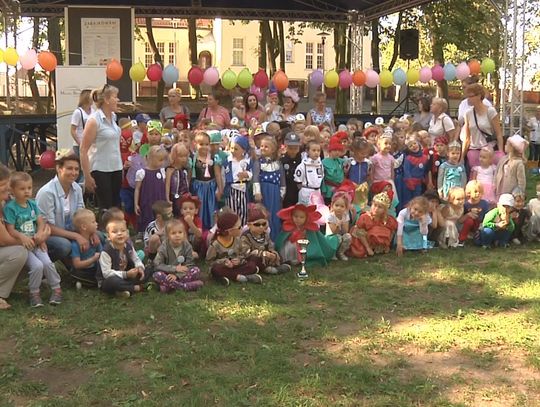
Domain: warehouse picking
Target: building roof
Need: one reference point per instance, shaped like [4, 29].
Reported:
[291, 10]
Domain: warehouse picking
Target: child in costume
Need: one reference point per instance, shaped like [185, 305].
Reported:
[511, 169]
[438, 155]
[237, 169]
[498, 225]
[452, 172]
[338, 223]
[415, 167]
[174, 268]
[452, 212]
[154, 233]
[485, 174]
[386, 186]
[269, 182]
[309, 174]
[256, 243]
[521, 217]
[383, 161]
[189, 214]
[178, 175]
[333, 166]
[360, 171]
[398, 148]
[290, 161]
[374, 231]
[228, 262]
[534, 208]
[413, 226]
[300, 222]
[475, 209]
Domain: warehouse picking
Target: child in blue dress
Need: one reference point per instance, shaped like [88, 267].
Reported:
[452, 172]
[413, 226]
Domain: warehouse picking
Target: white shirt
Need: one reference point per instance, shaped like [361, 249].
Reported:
[79, 119]
[534, 125]
[464, 106]
[440, 126]
[309, 173]
[478, 140]
[106, 156]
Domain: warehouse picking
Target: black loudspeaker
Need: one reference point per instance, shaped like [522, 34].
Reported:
[408, 44]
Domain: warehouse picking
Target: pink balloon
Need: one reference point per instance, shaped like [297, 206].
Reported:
[437, 73]
[154, 72]
[345, 79]
[462, 71]
[211, 76]
[372, 78]
[425, 74]
[261, 79]
[29, 59]
[316, 78]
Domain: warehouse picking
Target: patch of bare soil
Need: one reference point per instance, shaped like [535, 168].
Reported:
[133, 367]
[59, 382]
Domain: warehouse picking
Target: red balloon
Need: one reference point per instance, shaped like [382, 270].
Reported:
[474, 67]
[47, 61]
[47, 160]
[114, 70]
[195, 76]
[261, 79]
[359, 78]
[154, 72]
[281, 81]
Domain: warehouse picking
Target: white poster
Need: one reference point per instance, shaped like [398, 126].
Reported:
[100, 40]
[70, 81]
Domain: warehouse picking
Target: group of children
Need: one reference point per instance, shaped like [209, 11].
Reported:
[243, 197]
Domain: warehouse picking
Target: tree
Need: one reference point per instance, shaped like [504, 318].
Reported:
[32, 76]
[158, 59]
[54, 37]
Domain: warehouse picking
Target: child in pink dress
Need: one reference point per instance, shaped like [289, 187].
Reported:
[383, 161]
[485, 175]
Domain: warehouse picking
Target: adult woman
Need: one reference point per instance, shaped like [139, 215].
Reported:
[12, 254]
[321, 114]
[58, 200]
[482, 127]
[103, 171]
[175, 107]
[253, 110]
[441, 124]
[213, 111]
[290, 103]
[80, 117]
[423, 117]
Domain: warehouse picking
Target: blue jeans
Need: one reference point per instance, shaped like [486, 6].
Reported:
[489, 236]
[59, 247]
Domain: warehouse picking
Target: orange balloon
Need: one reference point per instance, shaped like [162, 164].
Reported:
[47, 61]
[359, 78]
[280, 80]
[474, 67]
[114, 70]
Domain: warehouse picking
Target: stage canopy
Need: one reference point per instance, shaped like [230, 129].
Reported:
[290, 10]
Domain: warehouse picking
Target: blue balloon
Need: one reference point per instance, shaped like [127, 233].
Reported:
[316, 78]
[400, 77]
[449, 72]
[170, 74]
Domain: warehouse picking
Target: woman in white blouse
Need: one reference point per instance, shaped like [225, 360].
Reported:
[441, 124]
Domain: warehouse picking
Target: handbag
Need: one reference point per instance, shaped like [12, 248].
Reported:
[489, 137]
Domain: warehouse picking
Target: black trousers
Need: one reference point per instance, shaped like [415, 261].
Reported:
[107, 188]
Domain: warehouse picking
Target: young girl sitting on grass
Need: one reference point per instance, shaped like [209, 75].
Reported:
[413, 226]
[452, 212]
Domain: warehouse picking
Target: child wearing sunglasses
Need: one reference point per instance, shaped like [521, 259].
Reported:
[258, 246]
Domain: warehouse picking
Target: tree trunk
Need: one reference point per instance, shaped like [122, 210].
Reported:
[375, 41]
[55, 46]
[281, 45]
[340, 48]
[262, 47]
[193, 51]
[31, 72]
[438, 57]
[158, 59]
[270, 46]
[397, 37]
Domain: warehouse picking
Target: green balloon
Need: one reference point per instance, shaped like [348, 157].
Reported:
[488, 66]
[228, 80]
[245, 79]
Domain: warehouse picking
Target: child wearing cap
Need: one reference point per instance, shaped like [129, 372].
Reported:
[498, 225]
[140, 135]
[511, 169]
[290, 161]
[334, 172]
[238, 173]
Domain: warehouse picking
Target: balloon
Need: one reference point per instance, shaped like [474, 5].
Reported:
[316, 78]
[413, 76]
[425, 74]
[29, 59]
[331, 79]
[400, 77]
[154, 72]
[47, 60]
[195, 76]
[1, 55]
[114, 70]
[211, 76]
[386, 78]
[245, 79]
[488, 66]
[474, 66]
[137, 72]
[228, 80]
[449, 72]
[372, 78]
[437, 72]
[462, 71]
[11, 57]
[47, 160]
[359, 78]
[345, 79]
[170, 74]
[280, 80]
[261, 79]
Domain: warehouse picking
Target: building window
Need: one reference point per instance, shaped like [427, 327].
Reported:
[320, 56]
[161, 48]
[289, 52]
[309, 55]
[148, 55]
[238, 51]
[172, 52]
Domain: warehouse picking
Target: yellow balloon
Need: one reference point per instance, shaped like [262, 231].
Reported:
[137, 72]
[1, 55]
[11, 57]
[386, 78]
[413, 76]
[331, 79]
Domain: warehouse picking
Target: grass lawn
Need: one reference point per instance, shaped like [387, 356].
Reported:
[449, 328]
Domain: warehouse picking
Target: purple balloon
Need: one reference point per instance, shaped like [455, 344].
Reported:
[316, 78]
[437, 72]
[345, 79]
